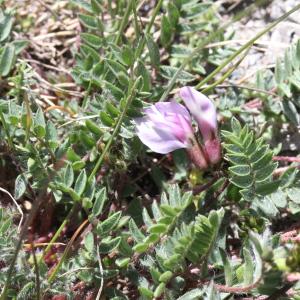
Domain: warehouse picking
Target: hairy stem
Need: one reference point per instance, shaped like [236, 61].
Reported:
[128, 101]
[23, 233]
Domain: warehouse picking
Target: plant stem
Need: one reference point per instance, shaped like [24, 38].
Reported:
[58, 232]
[136, 23]
[246, 46]
[23, 233]
[124, 22]
[37, 273]
[205, 41]
[128, 100]
[148, 29]
[225, 76]
[68, 247]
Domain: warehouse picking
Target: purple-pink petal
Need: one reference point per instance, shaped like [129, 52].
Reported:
[165, 127]
[203, 110]
[160, 140]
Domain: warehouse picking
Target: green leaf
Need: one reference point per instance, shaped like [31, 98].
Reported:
[153, 51]
[240, 170]
[39, 123]
[5, 27]
[80, 183]
[166, 276]
[127, 55]
[173, 14]
[135, 232]
[101, 198]
[145, 292]
[294, 194]
[109, 224]
[20, 186]
[165, 31]
[92, 40]
[106, 119]
[112, 110]
[236, 126]
[51, 135]
[93, 128]
[242, 181]
[140, 248]
[89, 242]
[168, 72]
[264, 173]
[108, 245]
[227, 268]
[142, 71]
[122, 262]
[68, 176]
[7, 59]
[158, 228]
[248, 267]
[88, 21]
[194, 294]
[291, 112]
[87, 50]
[87, 140]
[96, 7]
[159, 290]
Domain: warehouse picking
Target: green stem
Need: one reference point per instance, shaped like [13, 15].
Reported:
[148, 29]
[128, 100]
[124, 22]
[205, 41]
[58, 232]
[246, 46]
[226, 75]
[136, 23]
[66, 252]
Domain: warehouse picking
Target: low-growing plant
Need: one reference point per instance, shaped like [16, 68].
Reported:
[132, 196]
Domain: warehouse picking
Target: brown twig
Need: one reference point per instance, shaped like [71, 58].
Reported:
[200, 188]
[237, 290]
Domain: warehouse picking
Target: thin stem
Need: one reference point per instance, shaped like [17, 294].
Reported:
[53, 274]
[23, 233]
[232, 85]
[206, 41]
[37, 273]
[246, 46]
[136, 23]
[16, 204]
[237, 290]
[128, 100]
[101, 273]
[58, 232]
[148, 29]
[124, 22]
[226, 75]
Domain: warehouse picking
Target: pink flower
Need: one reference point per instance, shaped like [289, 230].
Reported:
[204, 111]
[165, 127]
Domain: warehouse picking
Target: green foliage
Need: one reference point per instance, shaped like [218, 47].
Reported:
[8, 50]
[127, 221]
[250, 160]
